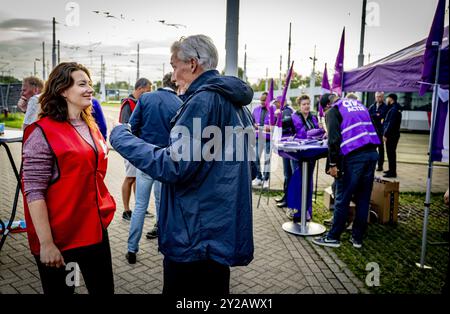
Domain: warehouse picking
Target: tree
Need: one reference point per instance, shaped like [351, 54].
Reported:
[9, 79]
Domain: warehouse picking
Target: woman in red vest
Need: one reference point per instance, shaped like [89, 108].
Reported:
[67, 205]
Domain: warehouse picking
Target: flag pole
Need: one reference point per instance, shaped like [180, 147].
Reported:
[430, 165]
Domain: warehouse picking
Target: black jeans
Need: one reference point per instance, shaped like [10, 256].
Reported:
[95, 264]
[380, 154]
[199, 278]
[391, 151]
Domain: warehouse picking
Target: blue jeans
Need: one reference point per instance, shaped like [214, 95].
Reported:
[144, 185]
[357, 181]
[260, 146]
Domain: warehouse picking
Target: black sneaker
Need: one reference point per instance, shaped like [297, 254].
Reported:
[127, 215]
[149, 215]
[325, 241]
[152, 234]
[280, 199]
[390, 175]
[131, 257]
[379, 169]
[355, 243]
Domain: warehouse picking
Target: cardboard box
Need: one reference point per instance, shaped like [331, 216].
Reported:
[384, 200]
[328, 198]
[328, 201]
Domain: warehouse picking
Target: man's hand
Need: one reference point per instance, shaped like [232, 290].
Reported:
[333, 171]
[384, 139]
[22, 104]
[446, 197]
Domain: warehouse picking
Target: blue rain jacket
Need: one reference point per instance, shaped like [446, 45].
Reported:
[206, 205]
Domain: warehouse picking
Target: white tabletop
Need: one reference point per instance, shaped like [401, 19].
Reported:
[11, 136]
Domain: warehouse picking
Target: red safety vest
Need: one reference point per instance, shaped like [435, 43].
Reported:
[124, 102]
[78, 203]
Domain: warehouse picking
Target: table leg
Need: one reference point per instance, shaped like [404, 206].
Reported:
[304, 228]
[16, 198]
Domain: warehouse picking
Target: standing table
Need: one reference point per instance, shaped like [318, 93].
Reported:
[10, 137]
[304, 154]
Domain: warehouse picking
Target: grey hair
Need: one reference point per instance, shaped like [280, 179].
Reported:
[199, 47]
[167, 81]
[142, 82]
[379, 94]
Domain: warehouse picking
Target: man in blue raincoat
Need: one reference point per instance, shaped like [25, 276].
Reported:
[205, 223]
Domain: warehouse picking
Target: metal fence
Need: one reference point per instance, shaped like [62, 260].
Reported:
[9, 96]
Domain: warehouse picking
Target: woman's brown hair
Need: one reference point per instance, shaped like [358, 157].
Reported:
[53, 104]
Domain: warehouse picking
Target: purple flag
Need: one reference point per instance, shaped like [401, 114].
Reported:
[283, 98]
[321, 114]
[339, 67]
[325, 83]
[433, 45]
[439, 149]
[268, 101]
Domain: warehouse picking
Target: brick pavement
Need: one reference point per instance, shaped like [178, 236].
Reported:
[283, 263]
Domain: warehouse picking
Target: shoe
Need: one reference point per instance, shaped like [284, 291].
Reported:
[131, 257]
[257, 182]
[281, 204]
[280, 199]
[149, 215]
[390, 175]
[355, 243]
[325, 241]
[290, 212]
[379, 169]
[387, 171]
[152, 234]
[328, 222]
[127, 215]
[266, 185]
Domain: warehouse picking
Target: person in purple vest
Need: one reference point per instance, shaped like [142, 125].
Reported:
[297, 125]
[264, 120]
[287, 131]
[352, 144]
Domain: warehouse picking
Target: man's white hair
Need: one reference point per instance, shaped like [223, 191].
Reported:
[379, 94]
[199, 47]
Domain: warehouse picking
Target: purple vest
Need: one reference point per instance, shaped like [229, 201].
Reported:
[300, 128]
[267, 120]
[357, 129]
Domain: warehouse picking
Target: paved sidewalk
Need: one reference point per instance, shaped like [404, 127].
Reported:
[283, 263]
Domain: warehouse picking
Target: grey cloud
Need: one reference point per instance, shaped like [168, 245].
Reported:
[25, 25]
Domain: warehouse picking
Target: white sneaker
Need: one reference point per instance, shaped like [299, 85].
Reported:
[257, 182]
[266, 185]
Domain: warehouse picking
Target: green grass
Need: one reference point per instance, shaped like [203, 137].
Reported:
[111, 103]
[396, 248]
[14, 120]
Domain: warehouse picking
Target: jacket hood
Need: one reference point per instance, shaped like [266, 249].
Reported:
[232, 88]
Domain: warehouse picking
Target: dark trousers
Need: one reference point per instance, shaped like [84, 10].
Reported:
[95, 264]
[380, 154]
[287, 171]
[391, 151]
[356, 181]
[196, 278]
[263, 146]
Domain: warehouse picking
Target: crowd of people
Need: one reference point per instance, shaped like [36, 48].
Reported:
[203, 206]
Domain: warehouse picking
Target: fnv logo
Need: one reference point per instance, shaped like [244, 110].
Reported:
[352, 105]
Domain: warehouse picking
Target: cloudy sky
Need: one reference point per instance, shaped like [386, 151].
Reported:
[119, 26]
